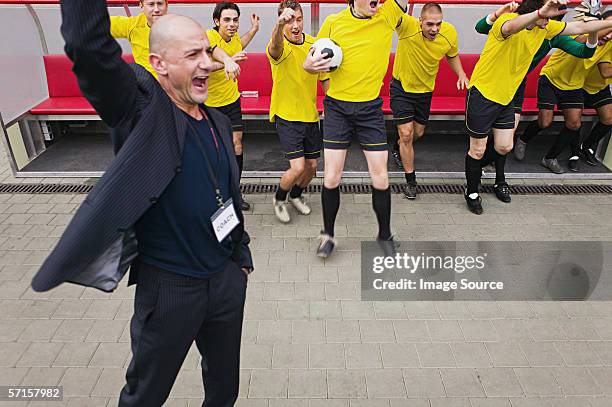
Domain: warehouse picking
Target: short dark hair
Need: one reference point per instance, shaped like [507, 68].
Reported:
[431, 6]
[606, 14]
[528, 6]
[224, 5]
[292, 4]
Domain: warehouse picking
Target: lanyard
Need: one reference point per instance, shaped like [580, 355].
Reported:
[213, 176]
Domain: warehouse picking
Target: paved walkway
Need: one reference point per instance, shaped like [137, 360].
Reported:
[308, 339]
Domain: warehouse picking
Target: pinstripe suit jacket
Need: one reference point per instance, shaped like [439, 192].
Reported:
[148, 133]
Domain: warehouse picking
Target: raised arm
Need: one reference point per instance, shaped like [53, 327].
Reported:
[549, 10]
[483, 26]
[581, 47]
[245, 40]
[586, 27]
[275, 48]
[104, 78]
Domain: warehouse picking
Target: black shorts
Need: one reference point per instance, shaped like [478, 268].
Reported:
[549, 96]
[519, 97]
[343, 120]
[299, 139]
[234, 112]
[482, 114]
[599, 99]
[407, 106]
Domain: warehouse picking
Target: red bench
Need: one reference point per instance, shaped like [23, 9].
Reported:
[65, 98]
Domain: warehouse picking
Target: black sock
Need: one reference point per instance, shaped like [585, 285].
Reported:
[281, 194]
[563, 139]
[381, 202]
[330, 200]
[597, 134]
[500, 168]
[410, 177]
[489, 156]
[296, 191]
[473, 172]
[240, 161]
[575, 146]
[531, 131]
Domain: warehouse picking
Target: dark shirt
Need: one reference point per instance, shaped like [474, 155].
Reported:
[176, 233]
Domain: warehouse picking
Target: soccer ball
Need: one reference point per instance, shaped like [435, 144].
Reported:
[327, 47]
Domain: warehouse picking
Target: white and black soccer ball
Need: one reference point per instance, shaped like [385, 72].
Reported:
[328, 47]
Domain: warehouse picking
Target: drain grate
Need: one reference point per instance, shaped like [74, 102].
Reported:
[344, 188]
[449, 189]
[45, 188]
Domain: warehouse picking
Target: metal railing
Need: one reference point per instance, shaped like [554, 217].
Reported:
[135, 2]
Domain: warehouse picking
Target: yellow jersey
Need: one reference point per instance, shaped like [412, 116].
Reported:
[136, 30]
[417, 58]
[366, 47]
[294, 91]
[594, 82]
[504, 61]
[565, 71]
[222, 91]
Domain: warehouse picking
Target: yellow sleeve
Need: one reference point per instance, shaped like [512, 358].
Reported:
[408, 25]
[605, 56]
[602, 54]
[606, 59]
[454, 42]
[283, 56]
[392, 12]
[239, 42]
[554, 28]
[496, 30]
[325, 30]
[213, 38]
[120, 26]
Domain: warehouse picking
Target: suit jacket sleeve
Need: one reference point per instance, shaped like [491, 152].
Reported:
[245, 258]
[104, 78]
[245, 252]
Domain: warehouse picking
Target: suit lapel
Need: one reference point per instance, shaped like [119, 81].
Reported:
[181, 128]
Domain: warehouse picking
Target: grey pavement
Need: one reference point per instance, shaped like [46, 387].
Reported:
[308, 339]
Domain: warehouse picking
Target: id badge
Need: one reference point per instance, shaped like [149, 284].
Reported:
[224, 220]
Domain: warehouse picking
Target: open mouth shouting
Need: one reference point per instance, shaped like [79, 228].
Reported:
[373, 6]
[296, 34]
[200, 83]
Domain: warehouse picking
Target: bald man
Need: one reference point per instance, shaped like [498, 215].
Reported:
[166, 206]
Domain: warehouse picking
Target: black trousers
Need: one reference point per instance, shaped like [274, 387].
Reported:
[170, 312]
